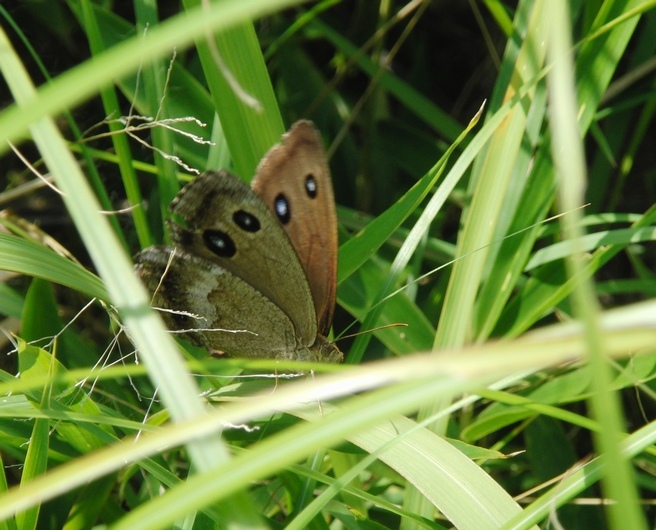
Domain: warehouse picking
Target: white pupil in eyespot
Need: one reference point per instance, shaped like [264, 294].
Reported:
[311, 186]
[282, 209]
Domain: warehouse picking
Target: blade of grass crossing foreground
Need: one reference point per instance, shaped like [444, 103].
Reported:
[352, 421]
[148, 333]
[422, 379]
[619, 484]
[473, 500]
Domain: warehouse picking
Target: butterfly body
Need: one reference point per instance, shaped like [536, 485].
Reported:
[246, 275]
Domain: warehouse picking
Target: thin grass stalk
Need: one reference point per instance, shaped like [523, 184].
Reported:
[569, 161]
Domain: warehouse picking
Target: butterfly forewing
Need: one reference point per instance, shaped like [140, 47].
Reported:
[294, 181]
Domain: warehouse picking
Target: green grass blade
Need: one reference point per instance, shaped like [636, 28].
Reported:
[569, 160]
[148, 333]
[26, 257]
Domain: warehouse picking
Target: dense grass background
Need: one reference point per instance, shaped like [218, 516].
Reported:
[521, 392]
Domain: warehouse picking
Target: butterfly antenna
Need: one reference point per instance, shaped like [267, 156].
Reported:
[386, 326]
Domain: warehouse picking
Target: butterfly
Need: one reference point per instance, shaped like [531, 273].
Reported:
[252, 271]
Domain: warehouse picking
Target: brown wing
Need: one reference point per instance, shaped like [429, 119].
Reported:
[294, 181]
